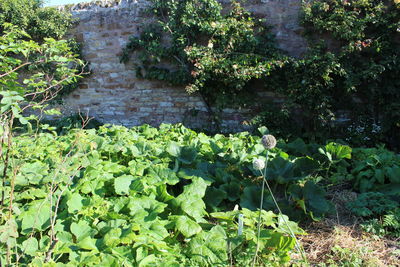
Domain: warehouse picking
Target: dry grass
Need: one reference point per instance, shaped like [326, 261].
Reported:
[338, 238]
[323, 237]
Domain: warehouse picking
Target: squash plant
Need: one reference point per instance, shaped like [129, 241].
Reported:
[130, 197]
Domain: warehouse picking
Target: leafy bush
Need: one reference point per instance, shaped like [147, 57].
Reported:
[357, 62]
[387, 225]
[375, 168]
[21, 91]
[215, 53]
[38, 22]
[348, 75]
[380, 210]
[372, 204]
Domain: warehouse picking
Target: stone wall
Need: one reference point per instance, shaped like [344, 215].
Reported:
[112, 93]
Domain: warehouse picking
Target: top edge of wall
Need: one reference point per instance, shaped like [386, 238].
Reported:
[100, 4]
[96, 4]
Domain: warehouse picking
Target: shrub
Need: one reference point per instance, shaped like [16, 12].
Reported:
[38, 22]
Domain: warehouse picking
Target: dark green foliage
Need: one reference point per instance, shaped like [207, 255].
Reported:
[381, 211]
[387, 225]
[354, 67]
[372, 204]
[279, 118]
[63, 125]
[375, 168]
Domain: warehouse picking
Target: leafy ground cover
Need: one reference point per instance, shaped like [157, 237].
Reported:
[135, 197]
[167, 196]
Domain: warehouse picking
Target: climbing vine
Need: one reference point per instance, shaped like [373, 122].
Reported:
[354, 67]
[349, 73]
[210, 51]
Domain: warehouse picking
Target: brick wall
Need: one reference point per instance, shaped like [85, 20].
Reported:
[112, 93]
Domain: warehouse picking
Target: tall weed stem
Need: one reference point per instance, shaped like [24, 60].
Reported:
[265, 182]
[259, 212]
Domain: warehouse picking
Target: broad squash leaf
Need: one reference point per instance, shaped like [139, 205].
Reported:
[122, 184]
[185, 225]
[208, 248]
[75, 203]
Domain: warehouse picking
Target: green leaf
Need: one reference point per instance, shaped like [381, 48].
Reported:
[174, 149]
[136, 168]
[191, 201]
[75, 203]
[187, 155]
[280, 242]
[208, 248]
[88, 243]
[30, 246]
[23, 120]
[281, 170]
[263, 130]
[394, 174]
[9, 232]
[156, 229]
[150, 260]
[232, 190]
[81, 230]
[251, 198]
[112, 238]
[145, 209]
[36, 217]
[122, 184]
[184, 154]
[214, 197]
[286, 226]
[113, 167]
[185, 225]
[161, 175]
[314, 197]
[337, 151]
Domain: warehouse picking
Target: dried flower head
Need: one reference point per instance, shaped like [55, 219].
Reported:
[258, 164]
[268, 141]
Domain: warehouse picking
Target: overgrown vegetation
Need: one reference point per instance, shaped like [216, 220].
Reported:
[170, 196]
[40, 23]
[116, 195]
[31, 75]
[353, 69]
[208, 51]
[138, 196]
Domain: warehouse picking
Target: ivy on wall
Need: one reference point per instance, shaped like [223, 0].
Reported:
[354, 67]
[198, 44]
[352, 63]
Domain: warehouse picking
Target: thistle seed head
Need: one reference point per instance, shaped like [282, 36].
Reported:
[258, 164]
[268, 141]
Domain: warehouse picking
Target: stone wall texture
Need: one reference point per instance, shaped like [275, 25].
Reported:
[112, 93]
